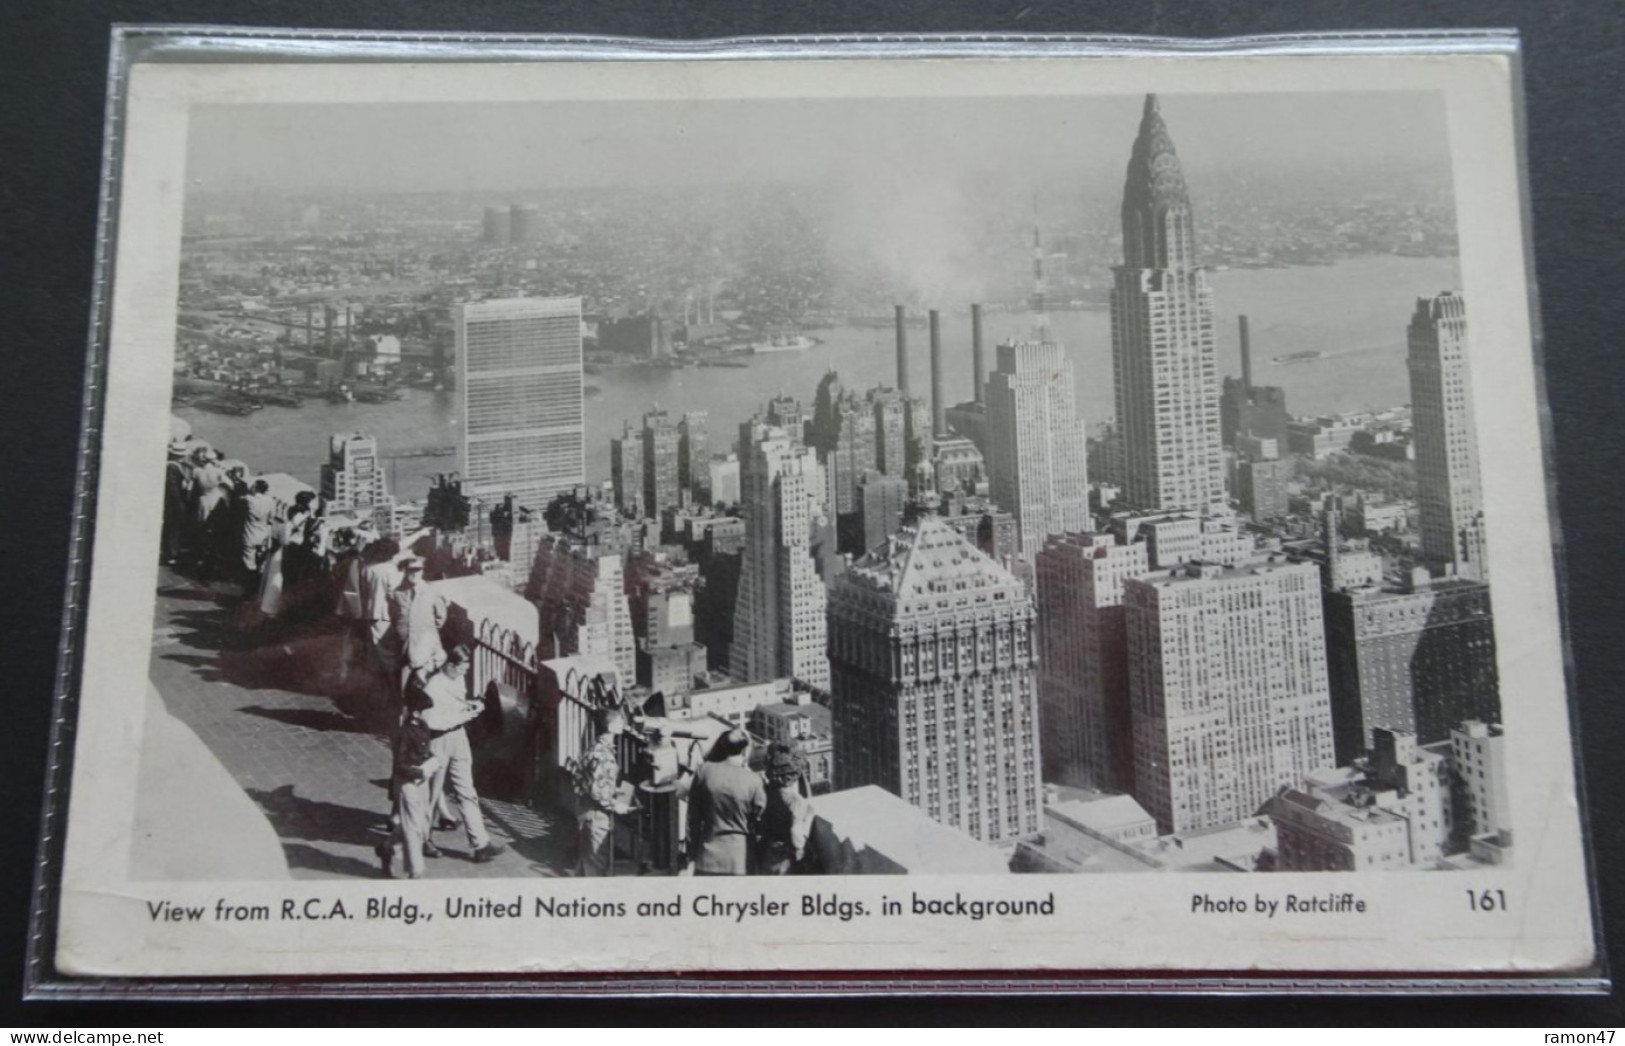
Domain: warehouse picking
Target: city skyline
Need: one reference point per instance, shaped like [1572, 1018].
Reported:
[1004, 606]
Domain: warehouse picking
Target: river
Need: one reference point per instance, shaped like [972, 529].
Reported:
[1354, 312]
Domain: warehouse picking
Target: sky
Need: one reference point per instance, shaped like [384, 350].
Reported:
[902, 145]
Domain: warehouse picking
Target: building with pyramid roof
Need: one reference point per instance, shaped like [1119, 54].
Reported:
[932, 672]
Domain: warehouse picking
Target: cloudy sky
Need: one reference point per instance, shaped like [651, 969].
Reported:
[536, 146]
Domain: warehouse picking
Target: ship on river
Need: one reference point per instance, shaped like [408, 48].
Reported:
[278, 399]
[784, 343]
[232, 405]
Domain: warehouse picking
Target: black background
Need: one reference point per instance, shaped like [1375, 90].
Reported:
[53, 60]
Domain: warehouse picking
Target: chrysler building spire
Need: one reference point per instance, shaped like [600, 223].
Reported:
[1157, 231]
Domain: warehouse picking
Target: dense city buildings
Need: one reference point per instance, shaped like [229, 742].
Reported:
[1173, 540]
[519, 375]
[842, 431]
[1415, 655]
[577, 582]
[1227, 683]
[1392, 810]
[933, 682]
[1451, 505]
[660, 585]
[878, 432]
[779, 626]
[1163, 354]
[1083, 681]
[1037, 463]
[1069, 649]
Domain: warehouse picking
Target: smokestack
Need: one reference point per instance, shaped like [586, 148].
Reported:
[939, 406]
[1246, 357]
[1040, 287]
[1332, 509]
[902, 352]
[978, 375]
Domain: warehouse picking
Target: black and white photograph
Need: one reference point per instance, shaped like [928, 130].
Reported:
[570, 495]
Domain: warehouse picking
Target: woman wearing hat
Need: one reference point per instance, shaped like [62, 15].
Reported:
[788, 819]
[726, 801]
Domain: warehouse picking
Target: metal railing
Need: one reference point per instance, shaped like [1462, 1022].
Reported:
[541, 730]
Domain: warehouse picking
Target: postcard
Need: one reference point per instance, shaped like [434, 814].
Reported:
[635, 517]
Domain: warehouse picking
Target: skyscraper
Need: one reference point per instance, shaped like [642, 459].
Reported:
[524, 223]
[626, 470]
[891, 431]
[353, 481]
[1451, 506]
[660, 590]
[1163, 353]
[694, 455]
[1083, 674]
[931, 667]
[1414, 657]
[577, 581]
[1037, 468]
[842, 430]
[519, 375]
[1227, 684]
[779, 627]
[494, 228]
[662, 464]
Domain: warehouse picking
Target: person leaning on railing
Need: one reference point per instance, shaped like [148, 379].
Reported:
[599, 796]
